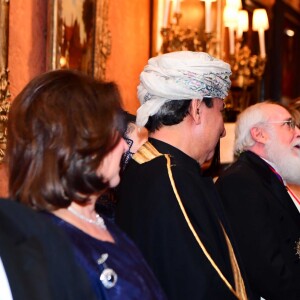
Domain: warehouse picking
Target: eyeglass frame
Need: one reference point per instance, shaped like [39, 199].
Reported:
[291, 123]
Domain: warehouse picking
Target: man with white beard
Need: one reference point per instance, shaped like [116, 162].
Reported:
[262, 213]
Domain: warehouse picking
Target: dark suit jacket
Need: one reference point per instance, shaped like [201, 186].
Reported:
[266, 225]
[148, 211]
[37, 258]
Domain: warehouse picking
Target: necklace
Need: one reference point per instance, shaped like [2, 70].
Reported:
[98, 222]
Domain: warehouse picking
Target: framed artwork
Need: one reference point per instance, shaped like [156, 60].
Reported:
[78, 36]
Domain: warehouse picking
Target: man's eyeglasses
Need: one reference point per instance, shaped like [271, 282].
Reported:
[290, 123]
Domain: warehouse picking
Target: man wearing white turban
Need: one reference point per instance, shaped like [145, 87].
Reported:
[165, 205]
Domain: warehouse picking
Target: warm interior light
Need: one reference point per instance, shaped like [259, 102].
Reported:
[260, 19]
[234, 3]
[62, 62]
[242, 23]
[289, 32]
[243, 20]
[230, 16]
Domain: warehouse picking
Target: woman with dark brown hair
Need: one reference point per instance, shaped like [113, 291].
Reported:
[64, 150]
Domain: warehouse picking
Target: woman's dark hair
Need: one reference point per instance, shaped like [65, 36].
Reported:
[172, 113]
[128, 119]
[59, 129]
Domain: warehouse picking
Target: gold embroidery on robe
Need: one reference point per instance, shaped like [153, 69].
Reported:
[146, 153]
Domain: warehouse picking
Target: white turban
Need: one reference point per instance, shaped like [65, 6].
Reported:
[181, 75]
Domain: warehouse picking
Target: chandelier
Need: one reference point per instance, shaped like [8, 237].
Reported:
[222, 36]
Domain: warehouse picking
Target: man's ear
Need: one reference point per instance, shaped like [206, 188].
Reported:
[259, 135]
[195, 110]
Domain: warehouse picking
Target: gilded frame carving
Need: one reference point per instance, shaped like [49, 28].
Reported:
[100, 43]
[4, 83]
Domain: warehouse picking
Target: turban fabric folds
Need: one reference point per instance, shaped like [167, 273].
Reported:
[181, 75]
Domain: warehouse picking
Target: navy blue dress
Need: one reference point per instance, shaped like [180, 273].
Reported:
[121, 261]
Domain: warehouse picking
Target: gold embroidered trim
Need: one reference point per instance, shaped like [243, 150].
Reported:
[239, 283]
[238, 279]
[146, 153]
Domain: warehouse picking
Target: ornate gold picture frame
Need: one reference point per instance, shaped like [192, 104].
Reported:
[4, 83]
[78, 36]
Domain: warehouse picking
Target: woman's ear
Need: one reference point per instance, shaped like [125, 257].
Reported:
[259, 135]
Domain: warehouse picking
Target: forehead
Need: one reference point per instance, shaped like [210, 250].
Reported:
[277, 112]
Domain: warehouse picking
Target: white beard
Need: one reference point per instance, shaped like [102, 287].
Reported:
[285, 159]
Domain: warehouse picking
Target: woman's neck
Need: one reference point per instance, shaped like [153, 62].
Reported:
[85, 218]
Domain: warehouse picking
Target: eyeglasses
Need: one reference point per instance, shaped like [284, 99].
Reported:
[290, 123]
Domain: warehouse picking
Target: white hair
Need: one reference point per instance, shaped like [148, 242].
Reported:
[250, 117]
[287, 164]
